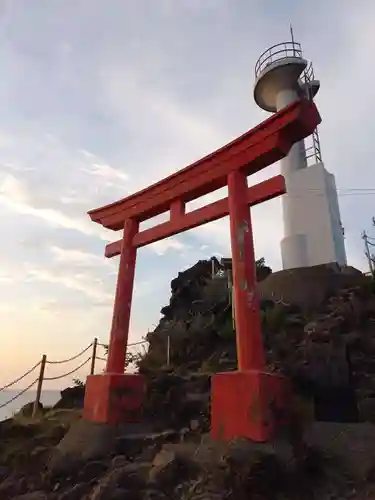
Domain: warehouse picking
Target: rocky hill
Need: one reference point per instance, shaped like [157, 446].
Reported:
[319, 329]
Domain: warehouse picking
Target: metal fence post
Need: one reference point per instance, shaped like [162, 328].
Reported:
[40, 384]
[168, 349]
[93, 357]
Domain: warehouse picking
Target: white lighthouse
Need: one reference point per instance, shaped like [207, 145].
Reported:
[313, 233]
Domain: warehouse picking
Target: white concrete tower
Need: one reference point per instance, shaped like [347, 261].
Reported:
[313, 233]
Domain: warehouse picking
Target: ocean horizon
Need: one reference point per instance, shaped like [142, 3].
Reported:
[48, 398]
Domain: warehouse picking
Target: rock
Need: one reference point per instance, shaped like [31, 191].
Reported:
[28, 408]
[352, 444]
[202, 453]
[310, 327]
[367, 410]
[124, 494]
[194, 425]
[92, 470]
[154, 494]
[40, 452]
[4, 472]
[71, 397]
[184, 433]
[119, 461]
[77, 492]
[85, 441]
[120, 478]
[175, 460]
[13, 486]
[324, 281]
[107, 486]
[56, 433]
[137, 473]
[202, 488]
[36, 495]
[164, 466]
[133, 444]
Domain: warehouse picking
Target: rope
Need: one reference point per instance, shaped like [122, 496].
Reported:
[19, 394]
[70, 359]
[19, 378]
[100, 359]
[10, 384]
[69, 373]
[129, 345]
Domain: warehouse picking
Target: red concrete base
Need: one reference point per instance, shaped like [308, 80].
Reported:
[114, 398]
[249, 404]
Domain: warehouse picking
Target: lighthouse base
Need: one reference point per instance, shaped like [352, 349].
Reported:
[313, 230]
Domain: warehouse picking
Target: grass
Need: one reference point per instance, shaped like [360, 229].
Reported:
[49, 417]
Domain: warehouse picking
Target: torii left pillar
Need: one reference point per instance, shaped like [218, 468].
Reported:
[115, 397]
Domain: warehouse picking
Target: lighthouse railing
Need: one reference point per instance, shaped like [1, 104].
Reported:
[277, 52]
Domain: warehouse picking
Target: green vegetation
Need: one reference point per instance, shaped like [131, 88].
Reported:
[273, 318]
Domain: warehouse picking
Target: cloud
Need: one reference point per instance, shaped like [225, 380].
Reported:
[110, 176]
[79, 282]
[15, 196]
[163, 246]
[13, 189]
[79, 257]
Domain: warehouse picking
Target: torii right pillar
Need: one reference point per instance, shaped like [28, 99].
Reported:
[248, 402]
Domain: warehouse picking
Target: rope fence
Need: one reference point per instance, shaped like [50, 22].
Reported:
[19, 394]
[43, 364]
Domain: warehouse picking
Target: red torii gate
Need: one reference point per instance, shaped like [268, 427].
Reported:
[248, 402]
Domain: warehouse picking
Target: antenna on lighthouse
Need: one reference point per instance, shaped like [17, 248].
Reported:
[292, 38]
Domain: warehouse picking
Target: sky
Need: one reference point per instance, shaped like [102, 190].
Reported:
[99, 98]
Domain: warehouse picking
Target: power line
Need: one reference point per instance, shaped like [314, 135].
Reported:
[343, 189]
[340, 192]
[300, 192]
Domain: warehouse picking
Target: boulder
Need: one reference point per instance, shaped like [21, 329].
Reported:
[352, 445]
[71, 398]
[28, 409]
